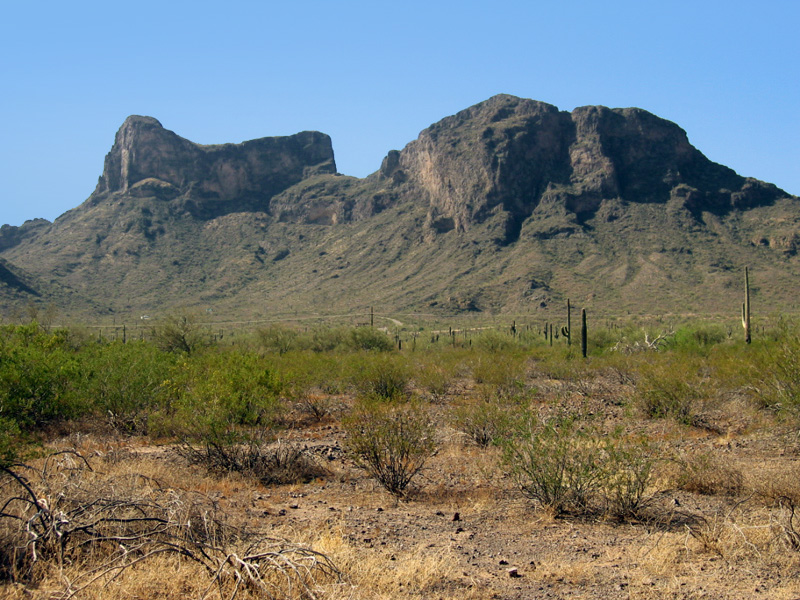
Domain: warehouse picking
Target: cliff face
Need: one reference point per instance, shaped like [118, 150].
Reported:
[150, 161]
[510, 158]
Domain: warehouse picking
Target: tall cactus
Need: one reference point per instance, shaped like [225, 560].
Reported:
[584, 335]
[567, 331]
[746, 307]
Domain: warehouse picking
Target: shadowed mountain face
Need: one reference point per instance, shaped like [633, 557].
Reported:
[513, 158]
[508, 205]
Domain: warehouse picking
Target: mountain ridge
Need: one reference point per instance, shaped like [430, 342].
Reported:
[508, 205]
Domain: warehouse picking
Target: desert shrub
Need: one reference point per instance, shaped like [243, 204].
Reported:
[674, 386]
[180, 332]
[556, 464]
[215, 393]
[436, 373]
[578, 471]
[256, 457]
[384, 376]
[707, 474]
[600, 339]
[483, 422]
[699, 337]
[369, 338]
[323, 339]
[329, 339]
[10, 442]
[123, 382]
[628, 470]
[327, 372]
[493, 341]
[37, 375]
[391, 442]
[309, 380]
[501, 376]
[277, 338]
[775, 374]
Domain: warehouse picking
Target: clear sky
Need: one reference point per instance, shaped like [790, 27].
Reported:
[373, 74]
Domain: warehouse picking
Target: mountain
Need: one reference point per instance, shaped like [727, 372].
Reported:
[508, 206]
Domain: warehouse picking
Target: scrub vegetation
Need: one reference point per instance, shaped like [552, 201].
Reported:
[347, 462]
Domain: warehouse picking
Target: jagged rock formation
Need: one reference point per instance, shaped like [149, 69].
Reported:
[509, 159]
[150, 161]
[508, 205]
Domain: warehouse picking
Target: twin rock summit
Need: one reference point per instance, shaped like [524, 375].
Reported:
[508, 206]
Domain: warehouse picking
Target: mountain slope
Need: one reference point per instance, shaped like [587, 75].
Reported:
[510, 205]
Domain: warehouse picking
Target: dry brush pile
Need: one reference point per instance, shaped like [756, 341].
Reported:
[63, 520]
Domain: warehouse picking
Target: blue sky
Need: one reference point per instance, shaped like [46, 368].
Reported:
[372, 75]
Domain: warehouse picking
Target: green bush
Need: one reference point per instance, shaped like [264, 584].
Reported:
[698, 338]
[579, 471]
[215, 394]
[485, 422]
[673, 387]
[391, 442]
[181, 332]
[368, 338]
[435, 379]
[384, 376]
[123, 382]
[501, 376]
[628, 469]
[37, 375]
[278, 338]
[10, 442]
[309, 381]
[555, 464]
[495, 341]
[774, 373]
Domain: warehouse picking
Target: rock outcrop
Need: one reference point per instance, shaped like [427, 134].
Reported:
[150, 161]
[508, 158]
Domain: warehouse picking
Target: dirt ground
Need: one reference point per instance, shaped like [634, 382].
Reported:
[467, 532]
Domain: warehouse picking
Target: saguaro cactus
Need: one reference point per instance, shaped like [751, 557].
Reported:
[567, 331]
[584, 336]
[746, 307]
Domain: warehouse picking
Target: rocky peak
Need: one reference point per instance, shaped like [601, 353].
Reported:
[507, 159]
[143, 149]
[148, 160]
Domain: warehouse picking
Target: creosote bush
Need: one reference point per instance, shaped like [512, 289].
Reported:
[708, 474]
[391, 441]
[125, 382]
[217, 392]
[256, 456]
[180, 332]
[37, 374]
[673, 387]
[382, 376]
[573, 470]
[501, 376]
[776, 374]
[485, 422]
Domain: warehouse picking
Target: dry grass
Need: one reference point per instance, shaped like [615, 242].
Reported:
[69, 527]
[723, 522]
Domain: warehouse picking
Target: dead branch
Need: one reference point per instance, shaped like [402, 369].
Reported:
[66, 513]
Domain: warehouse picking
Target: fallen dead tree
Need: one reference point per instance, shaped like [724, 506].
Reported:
[63, 515]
